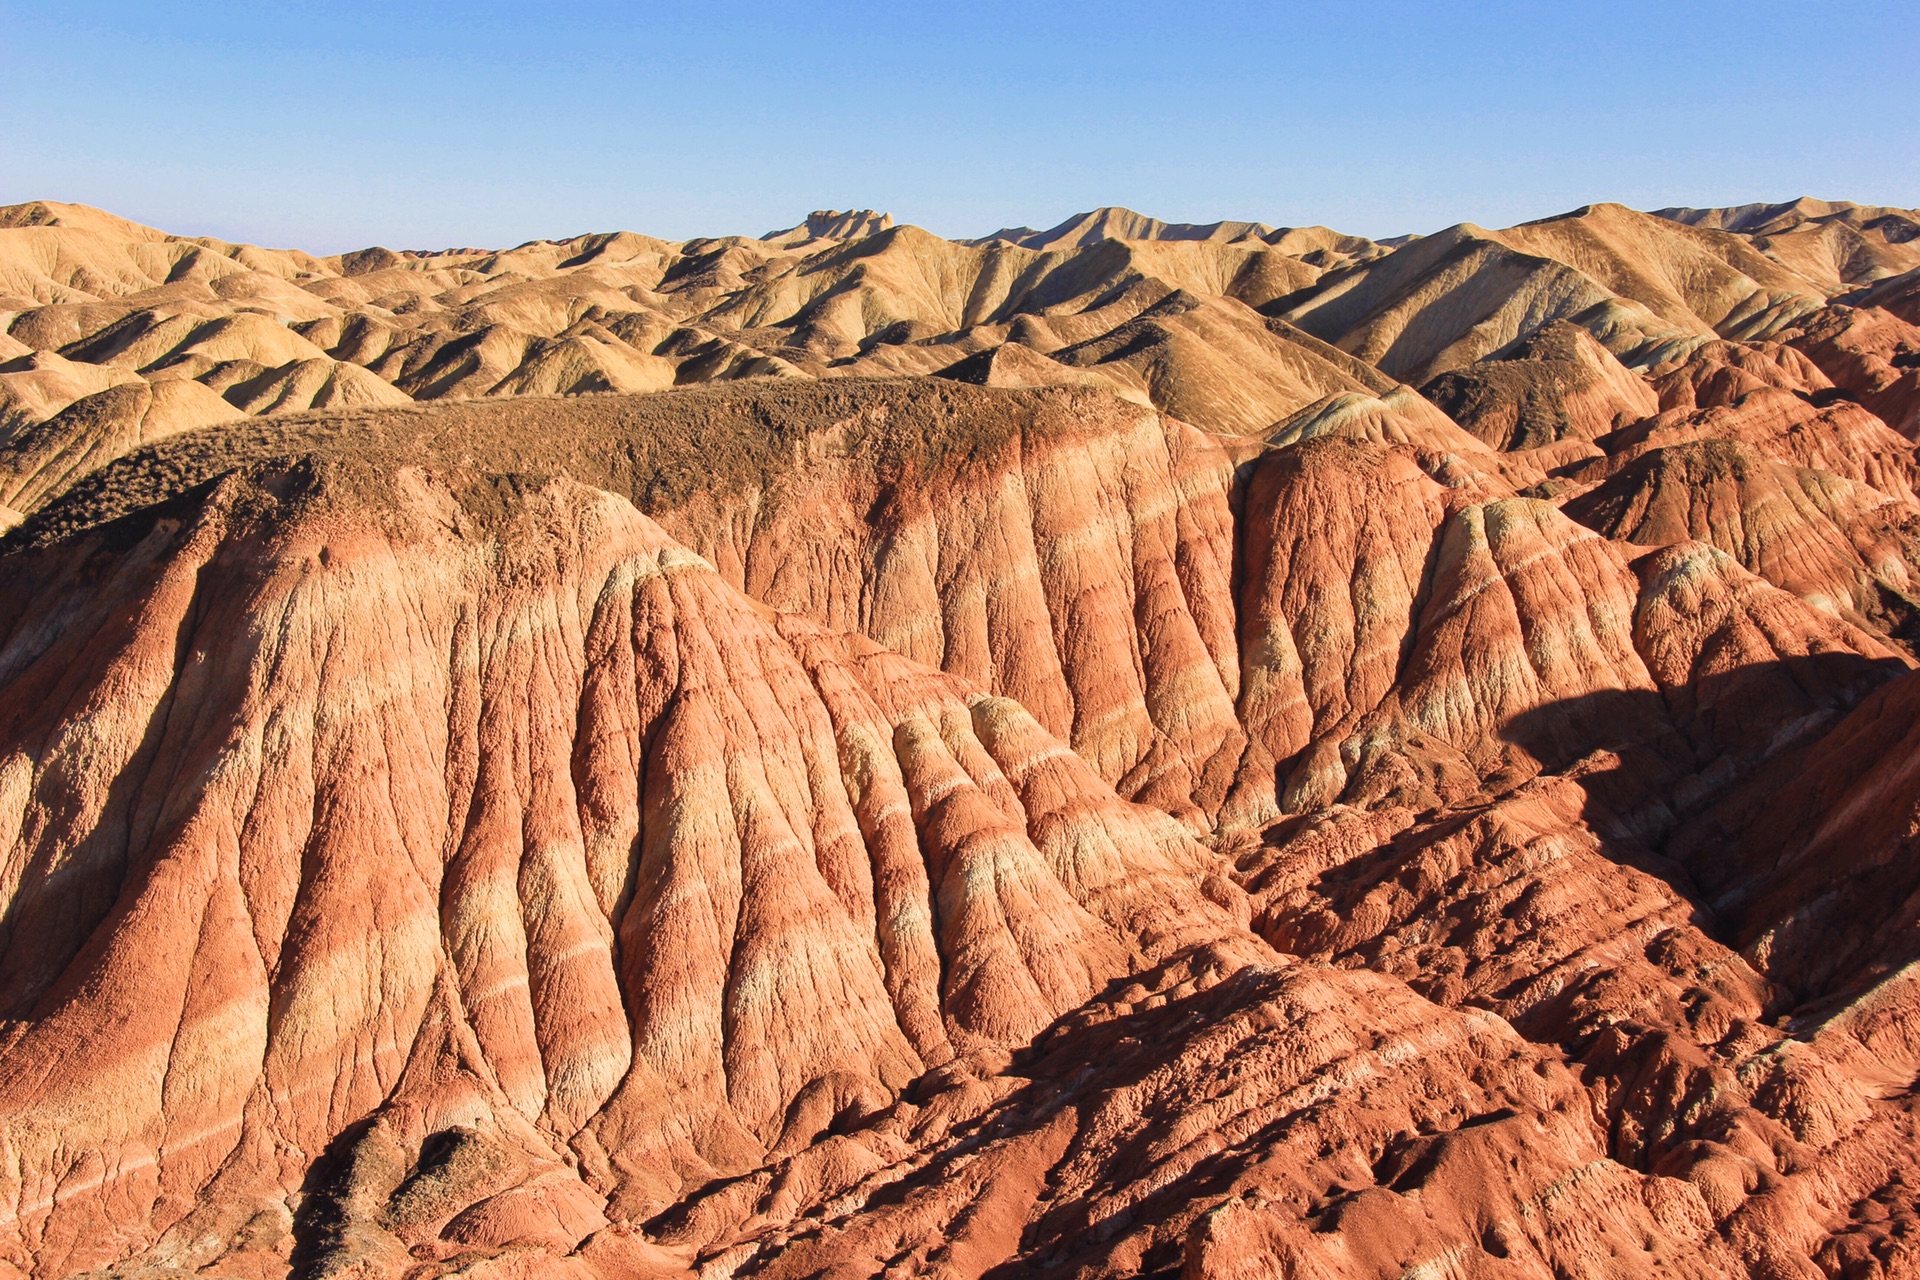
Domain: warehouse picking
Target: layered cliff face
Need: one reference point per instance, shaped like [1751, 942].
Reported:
[575, 847]
[579, 881]
[1060, 547]
[1844, 547]
[1137, 790]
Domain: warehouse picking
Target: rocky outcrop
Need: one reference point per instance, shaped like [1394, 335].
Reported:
[1872, 355]
[1842, 547]
[1725, 373]
[1559, 384]
[491, 806]
[1743, 664]
[1841, 439]
[1061, 547]
[1392, 628]
[1280, 1129]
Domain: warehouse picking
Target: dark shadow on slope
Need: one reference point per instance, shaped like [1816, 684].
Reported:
[80, 881]
[323, 1224]
[1679, 784]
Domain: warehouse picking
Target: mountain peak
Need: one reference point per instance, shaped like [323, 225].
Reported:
[1114, 222]
[832, 224]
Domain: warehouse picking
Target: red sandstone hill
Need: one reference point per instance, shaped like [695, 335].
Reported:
[1052, 761]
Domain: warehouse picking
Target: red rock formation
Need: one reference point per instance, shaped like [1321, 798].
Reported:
[833, 826]
[1812, 863]
[1393, 628]
[1741, 660]
[1841, 439]
[1081, 567]
[493, 807]
[1241, 1120]
[1724, 373]
[1337, 543]
[1844, 548]
[1874, 356]
[1775, 1135]
[1899, 294]
[1061, 547]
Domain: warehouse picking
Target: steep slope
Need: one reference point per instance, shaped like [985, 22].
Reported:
[1874, 356]
[1842, 547]
[1835, 243]
[1214, 363]
[1899, 294]
[1062, 547]
[1816, 878]
[711, 921]
[759, 874]
[1742, 663]
[1558, 384]
[1601, 948]
[1394, 629]
[1646, 287]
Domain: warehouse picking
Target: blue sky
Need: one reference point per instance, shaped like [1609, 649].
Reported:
[429, 125]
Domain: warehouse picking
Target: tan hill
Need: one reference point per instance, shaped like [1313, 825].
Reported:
[1114, 223]
[1833, 242]
[1899, 295]
[1764, 219]
[832, 224]
[43, 460]
[841, 293]
[1647, 287]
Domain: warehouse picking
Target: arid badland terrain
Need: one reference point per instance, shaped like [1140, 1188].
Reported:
[1132, 749]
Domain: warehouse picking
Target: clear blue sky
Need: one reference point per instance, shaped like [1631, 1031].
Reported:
[424, 125]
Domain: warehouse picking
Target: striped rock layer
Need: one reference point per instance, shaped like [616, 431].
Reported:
[1057, 762]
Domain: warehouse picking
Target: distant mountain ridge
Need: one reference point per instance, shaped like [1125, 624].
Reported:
[1114, 223]
[1833, 241]
[1760, 219]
